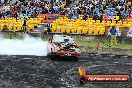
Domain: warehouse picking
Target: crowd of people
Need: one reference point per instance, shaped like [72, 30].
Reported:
[96, 9]
[100, 9]
[30, 8]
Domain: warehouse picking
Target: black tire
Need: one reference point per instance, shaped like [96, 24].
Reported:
[52, 57]
[82, 80]
[75, 58]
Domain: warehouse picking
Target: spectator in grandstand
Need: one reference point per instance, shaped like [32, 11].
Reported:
[116, 19]
[0, 15]
[111, 18]
[95, 17]
[87, 7]
[106, 17]
[74, 16]
[122, 17]
[24, 25]
[113, 35]
[16, 15]
[101, 17]
[85, 17]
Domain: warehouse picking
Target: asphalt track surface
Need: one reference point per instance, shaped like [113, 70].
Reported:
[41, 72]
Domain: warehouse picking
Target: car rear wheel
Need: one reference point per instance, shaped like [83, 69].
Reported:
[53, 57]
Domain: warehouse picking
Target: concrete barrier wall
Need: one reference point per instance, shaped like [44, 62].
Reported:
[114, 51]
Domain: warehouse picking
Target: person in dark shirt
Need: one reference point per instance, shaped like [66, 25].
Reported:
[122, 18]
[95, 17]
[85, 17]
[100, 18]
[0, 15]
[24, 25]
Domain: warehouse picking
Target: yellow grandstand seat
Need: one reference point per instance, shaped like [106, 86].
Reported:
[112, 24]
[87, 20]
[73, 29]
[119, 24]
[79, 29]
[85, 30]
[102, 30]
[68, 30]
[15, 27]
[101, 24]
[13, 20]
[97, 21]
[65, 22]
[63, 29]
[96, 24]
[86, 23]
[72, 20]
[128, 25]
[29, 27]
[58, 28]
[53, 29]
[96, 30]
[78, 23]
[10, 27]
[116, 18]
[65, 17]
[90, 19]
[1, 26]
[19, 27]
[90, 23]
[93, 21]
[83, 21]
[90, 30]
[124, 24]
[107, 23]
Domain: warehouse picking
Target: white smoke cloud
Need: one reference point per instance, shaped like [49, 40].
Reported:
[27, 46]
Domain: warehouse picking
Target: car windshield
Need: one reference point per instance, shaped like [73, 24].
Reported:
[63, 39]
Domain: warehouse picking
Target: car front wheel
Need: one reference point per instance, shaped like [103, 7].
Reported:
[75, 58]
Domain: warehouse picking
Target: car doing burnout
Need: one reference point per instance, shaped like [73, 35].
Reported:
[64, 46]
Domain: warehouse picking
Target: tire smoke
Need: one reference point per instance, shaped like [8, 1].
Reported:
[27, 46]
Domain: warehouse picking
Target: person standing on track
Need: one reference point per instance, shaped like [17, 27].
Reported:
[113, 35]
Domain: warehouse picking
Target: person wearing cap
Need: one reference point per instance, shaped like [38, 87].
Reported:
[24, 25]
[113, 32]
